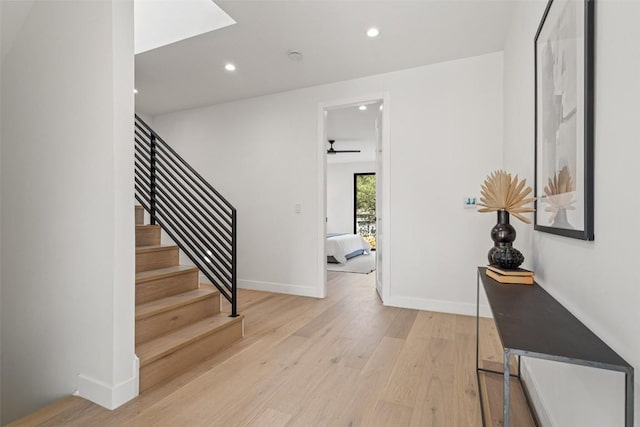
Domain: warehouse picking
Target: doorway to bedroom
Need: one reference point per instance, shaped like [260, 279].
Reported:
[352, 139]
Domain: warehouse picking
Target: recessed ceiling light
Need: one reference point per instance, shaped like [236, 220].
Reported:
[135, 90]
[230, 67]
[373, 32]
[362, 107]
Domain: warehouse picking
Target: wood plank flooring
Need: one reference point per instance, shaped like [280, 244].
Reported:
[345, 360]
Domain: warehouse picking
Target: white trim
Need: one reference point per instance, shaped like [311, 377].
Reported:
[386, 197]
[452, 307]
[108, 396]
[537, 400]
[322, 188]
[280, 288]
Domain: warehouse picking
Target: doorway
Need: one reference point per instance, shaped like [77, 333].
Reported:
[373, 168]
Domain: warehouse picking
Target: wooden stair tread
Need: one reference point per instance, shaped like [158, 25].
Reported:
[172, 302]
[154, 248]
[157, 348]
[160, 273]
[147, 226]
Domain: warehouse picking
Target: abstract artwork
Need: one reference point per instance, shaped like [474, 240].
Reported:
[564, 119]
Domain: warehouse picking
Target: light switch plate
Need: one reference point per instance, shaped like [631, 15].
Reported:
[469, 202]
[298, 207]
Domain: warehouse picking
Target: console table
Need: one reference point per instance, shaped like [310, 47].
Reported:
[531, 323]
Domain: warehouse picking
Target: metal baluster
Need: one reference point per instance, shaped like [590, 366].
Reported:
[234, 287]
[153, 179]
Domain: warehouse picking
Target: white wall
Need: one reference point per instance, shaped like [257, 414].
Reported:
[597, 281]
[67, 297]
[446, 135]
[340, 194]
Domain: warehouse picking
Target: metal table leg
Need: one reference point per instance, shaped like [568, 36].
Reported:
[478, 347]
[628, 399]
[477, 321]
[505, 395]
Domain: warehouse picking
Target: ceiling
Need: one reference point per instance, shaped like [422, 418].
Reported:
[353, 129]
[330, 34]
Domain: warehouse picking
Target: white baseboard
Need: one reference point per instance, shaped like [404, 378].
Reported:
[440, 306]
[379, 290]
[108, 396]
[281, 288]
[536, 398]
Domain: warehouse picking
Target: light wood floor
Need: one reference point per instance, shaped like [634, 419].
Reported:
[341, 361]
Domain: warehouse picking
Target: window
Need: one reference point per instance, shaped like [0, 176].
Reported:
[364, 211]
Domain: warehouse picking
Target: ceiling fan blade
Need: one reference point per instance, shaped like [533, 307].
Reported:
[332, 150]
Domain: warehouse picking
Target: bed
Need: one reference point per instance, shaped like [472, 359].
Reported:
[342, 247]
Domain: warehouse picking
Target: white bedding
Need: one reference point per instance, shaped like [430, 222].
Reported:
[339, 246]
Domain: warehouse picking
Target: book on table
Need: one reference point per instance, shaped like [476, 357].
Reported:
[510, 271]
[517, 280]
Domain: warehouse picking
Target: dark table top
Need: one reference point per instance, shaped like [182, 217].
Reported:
[528, 319]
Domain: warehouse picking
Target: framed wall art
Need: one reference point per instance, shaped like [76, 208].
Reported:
[564, 103]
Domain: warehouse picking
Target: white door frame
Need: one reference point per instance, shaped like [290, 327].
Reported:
[383, 217]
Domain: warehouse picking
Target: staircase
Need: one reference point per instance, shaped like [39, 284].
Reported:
[178, 318]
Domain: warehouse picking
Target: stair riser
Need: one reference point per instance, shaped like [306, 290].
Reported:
[167, 286]
[166, 322]
[147, 236]
[154, 260]
[139, 215]
[181, 360]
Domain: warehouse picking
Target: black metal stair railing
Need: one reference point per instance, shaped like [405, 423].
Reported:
[196, 216]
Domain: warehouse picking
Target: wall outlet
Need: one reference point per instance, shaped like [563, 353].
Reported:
[469, 202]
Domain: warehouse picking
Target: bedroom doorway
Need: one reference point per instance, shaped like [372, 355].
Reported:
[353, 138]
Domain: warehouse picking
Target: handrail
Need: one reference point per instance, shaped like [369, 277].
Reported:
[194, 214]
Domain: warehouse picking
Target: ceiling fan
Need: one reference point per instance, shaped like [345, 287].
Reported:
[331, 150]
